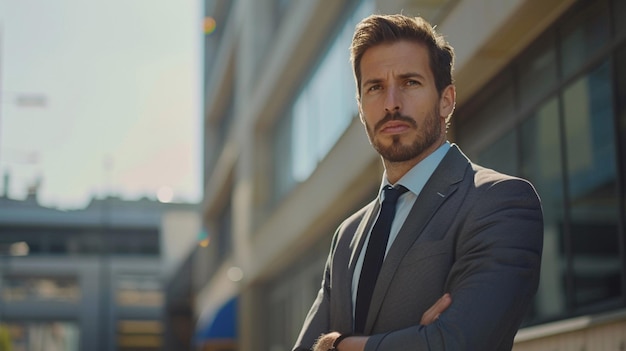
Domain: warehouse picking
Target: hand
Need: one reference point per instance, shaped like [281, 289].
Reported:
[352, 343]
[325, 342]
[436, 309]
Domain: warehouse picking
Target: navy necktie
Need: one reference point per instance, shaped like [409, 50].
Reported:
[375, 255]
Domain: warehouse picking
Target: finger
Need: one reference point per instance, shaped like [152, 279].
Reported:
[436, 309]
[325, 341]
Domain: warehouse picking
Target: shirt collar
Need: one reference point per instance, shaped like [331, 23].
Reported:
[416, 177]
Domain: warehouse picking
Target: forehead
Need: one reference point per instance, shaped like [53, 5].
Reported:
[395, 58]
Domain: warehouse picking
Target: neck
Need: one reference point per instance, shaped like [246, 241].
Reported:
[396, 170]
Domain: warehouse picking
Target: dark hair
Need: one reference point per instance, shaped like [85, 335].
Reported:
[386, 29]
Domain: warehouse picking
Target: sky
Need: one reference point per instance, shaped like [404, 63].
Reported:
[100, 97]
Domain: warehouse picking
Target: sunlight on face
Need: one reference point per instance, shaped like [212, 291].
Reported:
[400, 103]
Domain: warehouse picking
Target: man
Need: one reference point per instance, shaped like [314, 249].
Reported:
[463, 252]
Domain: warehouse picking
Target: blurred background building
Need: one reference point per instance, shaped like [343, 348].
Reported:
[89, 279]
[541, 94]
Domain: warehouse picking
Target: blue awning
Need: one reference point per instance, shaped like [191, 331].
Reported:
[222, 326]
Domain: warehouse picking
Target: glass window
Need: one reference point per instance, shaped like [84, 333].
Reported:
[133, 242]
[139, 290]
[142, 335]
[542, 165]
[281, 156]
[40, 336]
[320, 113]
[12, 246]
[325, 107]
[487, 117]
[571, 147]
[620, 67]
[88, 242]
[12, 238]
[502, 103]
[57, 245]
[53, 289]
[537, 71]
[592, 188]
[501, 155]
[619, 13]
[306, 112]
[584, 34]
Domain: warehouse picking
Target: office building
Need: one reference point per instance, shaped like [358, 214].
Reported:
[89, 279]
[541, 93]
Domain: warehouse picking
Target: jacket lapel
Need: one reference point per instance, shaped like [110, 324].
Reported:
[441, 185]
[351, 242]
[361, 233]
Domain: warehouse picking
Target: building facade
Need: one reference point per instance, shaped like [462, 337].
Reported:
[89, 279]
[541, 93]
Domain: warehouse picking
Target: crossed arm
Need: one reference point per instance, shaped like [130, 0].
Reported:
[357, 343]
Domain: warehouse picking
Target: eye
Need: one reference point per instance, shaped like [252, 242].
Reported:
[374, 87]
[412, 82]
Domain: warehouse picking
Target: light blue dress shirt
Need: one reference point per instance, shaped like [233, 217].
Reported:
[414, 180]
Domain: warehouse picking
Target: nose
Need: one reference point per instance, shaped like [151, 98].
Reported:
[392, 100]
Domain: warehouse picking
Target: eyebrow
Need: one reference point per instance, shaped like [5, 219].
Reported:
[412, 75]
[371, 81]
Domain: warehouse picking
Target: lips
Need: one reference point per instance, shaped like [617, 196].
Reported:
[394, 127]
[395, 123]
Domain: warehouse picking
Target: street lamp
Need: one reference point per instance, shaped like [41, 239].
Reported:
[20, 99]
[26, 100]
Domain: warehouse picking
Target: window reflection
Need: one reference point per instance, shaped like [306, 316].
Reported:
[487, 123]
[538, 71]
[592, 190]
[542, 165]
[324, 109]
[320, 113]
[569, 149]
[501, 155]
[282, 162]
[584, 34]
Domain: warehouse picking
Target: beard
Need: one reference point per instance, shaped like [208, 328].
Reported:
[398, 151]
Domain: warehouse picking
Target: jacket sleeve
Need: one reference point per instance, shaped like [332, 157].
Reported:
[493, 279]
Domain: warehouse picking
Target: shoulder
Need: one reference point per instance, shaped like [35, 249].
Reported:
[349, 226]
[482, 182]
[491, 183]
[355, 219]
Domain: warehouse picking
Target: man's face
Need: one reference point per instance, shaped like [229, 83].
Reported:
[403, 114]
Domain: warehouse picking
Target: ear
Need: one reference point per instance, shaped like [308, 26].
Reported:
[447, 101]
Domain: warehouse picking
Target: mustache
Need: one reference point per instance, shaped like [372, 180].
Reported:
[396, 116]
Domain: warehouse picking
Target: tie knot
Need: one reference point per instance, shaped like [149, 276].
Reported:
[393, 193]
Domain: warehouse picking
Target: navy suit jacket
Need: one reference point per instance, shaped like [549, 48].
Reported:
[472, 232]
